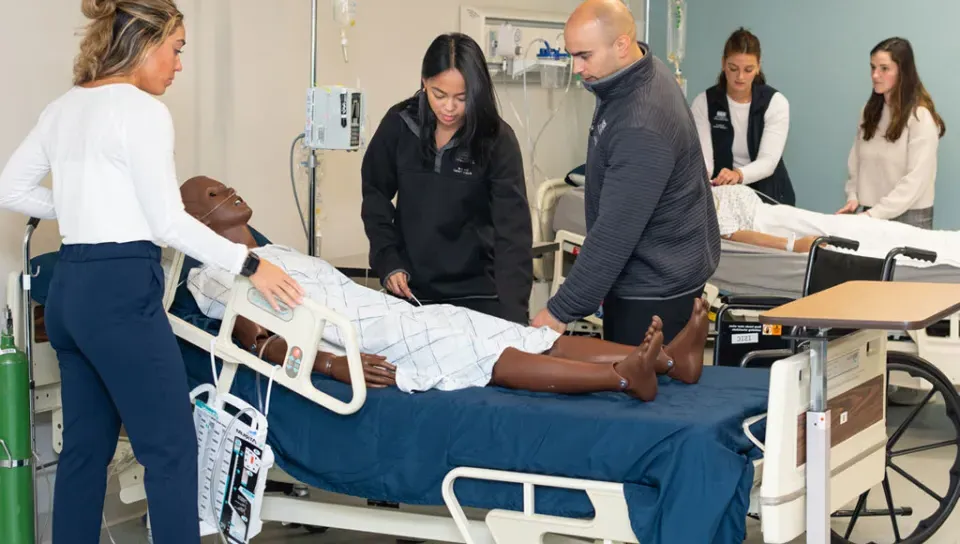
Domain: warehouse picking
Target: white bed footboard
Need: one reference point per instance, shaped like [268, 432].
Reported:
[610, 524]
[302, 328]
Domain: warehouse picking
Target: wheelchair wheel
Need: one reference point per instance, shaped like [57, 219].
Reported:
[906, 525]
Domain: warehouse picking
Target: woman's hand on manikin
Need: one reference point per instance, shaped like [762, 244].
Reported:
[273, 283]
[728, 177]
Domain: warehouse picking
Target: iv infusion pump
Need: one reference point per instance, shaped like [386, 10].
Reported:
[334, 118]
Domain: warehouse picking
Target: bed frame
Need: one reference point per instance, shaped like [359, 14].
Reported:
[778, 496]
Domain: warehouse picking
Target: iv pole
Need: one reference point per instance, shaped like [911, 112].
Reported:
[313, 248]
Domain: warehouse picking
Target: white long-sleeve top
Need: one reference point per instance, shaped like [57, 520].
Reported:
[894, 177]
[776, 126]
[111, 152]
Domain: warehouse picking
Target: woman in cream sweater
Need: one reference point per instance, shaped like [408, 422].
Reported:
[893, 162]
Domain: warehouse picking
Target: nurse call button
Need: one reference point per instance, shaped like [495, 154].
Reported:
[292, 364]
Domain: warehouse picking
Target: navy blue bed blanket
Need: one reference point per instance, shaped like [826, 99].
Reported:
[686, 466]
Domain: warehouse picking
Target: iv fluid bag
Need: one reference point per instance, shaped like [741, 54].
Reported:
[676, 31]
[345, 13]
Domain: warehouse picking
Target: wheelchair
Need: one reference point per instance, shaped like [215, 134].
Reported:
[742, 341]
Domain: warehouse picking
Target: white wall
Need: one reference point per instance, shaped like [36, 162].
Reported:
[240, 100]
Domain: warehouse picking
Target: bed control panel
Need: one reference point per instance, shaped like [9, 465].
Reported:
[258, 300]
[292, 364]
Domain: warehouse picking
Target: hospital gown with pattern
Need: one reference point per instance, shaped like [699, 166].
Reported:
[433, 347]
[739, 208]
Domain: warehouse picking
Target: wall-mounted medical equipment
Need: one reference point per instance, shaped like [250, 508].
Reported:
[677, 38]
[515, 42]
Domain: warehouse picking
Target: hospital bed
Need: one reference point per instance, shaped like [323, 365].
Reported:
[746, 270]
[689, 467]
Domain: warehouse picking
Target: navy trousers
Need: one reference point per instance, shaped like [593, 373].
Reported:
[119, 362]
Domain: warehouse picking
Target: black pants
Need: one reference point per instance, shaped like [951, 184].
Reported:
[625, 321]
[119, 362]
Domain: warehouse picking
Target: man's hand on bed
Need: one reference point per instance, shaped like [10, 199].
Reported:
[377, 372]
[546, 319]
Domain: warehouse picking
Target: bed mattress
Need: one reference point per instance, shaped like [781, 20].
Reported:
[747, 269]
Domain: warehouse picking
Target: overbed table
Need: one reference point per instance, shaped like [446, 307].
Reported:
[891, 306]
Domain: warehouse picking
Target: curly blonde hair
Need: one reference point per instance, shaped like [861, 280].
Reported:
[119, 35]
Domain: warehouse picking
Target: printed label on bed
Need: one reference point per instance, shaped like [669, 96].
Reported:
[745, 333]
[745, 338]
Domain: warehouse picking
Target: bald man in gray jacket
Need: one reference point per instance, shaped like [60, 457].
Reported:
[652, 235]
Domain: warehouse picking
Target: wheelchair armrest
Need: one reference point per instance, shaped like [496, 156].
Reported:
[764, 354]
[766, 301]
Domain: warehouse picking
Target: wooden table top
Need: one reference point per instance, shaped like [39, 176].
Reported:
[901, 306]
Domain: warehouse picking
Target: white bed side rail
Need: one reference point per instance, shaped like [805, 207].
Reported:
[548, 193]
[302, 328]
[610, 524]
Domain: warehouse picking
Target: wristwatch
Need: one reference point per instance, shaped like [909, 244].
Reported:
[250, 265]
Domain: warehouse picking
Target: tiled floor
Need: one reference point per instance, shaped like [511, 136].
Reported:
[930, 468]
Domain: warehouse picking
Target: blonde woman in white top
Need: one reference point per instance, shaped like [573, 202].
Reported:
[108, 143]
[893, 162]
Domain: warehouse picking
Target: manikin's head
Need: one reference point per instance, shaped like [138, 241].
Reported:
[214, 204]
[601, 36]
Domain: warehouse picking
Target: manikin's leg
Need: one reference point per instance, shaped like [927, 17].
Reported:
[686, 350]
[634, 373]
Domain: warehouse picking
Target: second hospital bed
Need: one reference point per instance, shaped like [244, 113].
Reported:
[744, 269]
[680, 469]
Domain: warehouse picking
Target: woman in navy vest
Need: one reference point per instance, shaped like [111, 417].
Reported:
[743, 123]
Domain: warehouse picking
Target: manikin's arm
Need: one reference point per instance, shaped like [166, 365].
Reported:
[269, 347]
[801, 245]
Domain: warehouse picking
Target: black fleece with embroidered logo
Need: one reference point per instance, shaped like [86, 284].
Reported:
[461, 228]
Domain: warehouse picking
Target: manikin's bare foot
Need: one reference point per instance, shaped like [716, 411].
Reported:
[686, 349]
[638, 368]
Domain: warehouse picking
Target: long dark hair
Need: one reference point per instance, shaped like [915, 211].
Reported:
[481, 125]
[741, 41]
[907, 95]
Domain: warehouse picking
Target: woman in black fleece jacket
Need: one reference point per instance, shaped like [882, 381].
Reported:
[460, 232]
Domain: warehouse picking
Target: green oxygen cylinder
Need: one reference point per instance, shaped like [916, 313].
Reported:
[16, 470]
